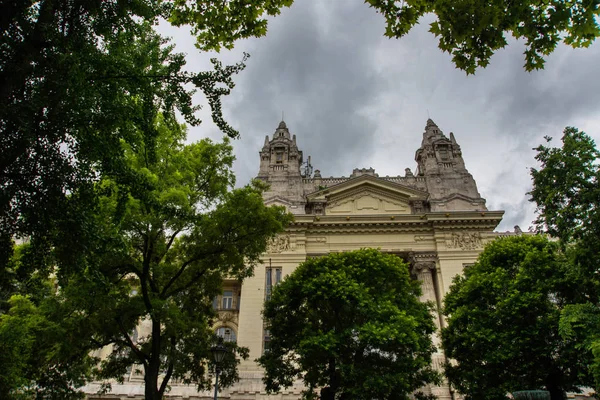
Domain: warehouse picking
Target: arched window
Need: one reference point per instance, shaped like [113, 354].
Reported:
[227, 334]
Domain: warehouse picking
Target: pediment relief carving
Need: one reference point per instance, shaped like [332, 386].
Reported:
[368, 202]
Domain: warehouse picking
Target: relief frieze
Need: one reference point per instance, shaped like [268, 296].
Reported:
[464, 240]
[280, 244]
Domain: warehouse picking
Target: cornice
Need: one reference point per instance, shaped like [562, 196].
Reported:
[452, 220]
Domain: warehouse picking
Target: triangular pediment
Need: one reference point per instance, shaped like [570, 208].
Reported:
[277, 201]
[367, 194]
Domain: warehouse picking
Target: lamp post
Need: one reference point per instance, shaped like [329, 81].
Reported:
[218, 353]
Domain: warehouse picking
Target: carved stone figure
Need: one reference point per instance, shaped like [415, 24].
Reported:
[279, 243]
[464, 241]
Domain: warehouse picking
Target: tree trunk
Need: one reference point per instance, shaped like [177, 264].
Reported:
[152, 370]
[556, 393]
[151, 381]
[327, 393]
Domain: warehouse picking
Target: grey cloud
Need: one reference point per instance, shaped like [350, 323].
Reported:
[568, 88]
[517, 212]
[320, 75]
[355, 98]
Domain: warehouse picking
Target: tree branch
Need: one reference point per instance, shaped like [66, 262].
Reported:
[140, 354]
[169, 244]
[178, 274]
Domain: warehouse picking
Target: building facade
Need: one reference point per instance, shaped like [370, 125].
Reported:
[434, 218]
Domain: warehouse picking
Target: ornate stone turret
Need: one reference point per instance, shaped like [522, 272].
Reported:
[280, 162]
[280, 156]
[440, 161]
[440, 173]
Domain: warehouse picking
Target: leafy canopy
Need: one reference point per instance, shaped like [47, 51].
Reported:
[566, 189]
[473, 30]
[95, 174]
[353, 323]
[503, 322]
[68, 73]
[167, 246]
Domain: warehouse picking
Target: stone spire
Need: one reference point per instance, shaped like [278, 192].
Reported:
[432, 132]
[282, 131]
[453, 139]
[440, 161]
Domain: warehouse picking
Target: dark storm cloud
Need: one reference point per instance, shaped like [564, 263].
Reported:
[566, 90]
[316, 68]
[355, 98]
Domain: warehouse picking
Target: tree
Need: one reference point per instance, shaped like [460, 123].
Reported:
[503, 322]
[64, 173]
[43, 346]
[566, 190]
[83, 85]
[65, 80]
[352, 323]
[169, 240]
[473, 30]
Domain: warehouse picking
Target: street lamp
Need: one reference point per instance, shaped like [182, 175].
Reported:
[218, 353]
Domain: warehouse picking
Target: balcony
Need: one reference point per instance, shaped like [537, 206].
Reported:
[227, 304]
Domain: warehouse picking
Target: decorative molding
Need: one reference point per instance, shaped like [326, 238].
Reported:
[228, 317]
[422, 238]
[424, 261]
[464, 240]
[423, 266]
[316, 239]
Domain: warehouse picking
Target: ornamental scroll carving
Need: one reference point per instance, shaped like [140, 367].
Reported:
[464, 241]
[280, 243]
[424, 269]
[419, 266]
[226, 316]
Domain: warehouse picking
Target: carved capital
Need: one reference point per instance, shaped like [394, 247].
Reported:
[422, 262]
[423, 266]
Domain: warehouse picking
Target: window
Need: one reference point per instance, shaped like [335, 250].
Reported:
[266, 341]
[227, 301]
[279, 158]
[227, 334]
[273, 277]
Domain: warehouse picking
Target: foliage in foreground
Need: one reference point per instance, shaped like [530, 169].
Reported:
[503, 322]
[353, 323]
[172, 245]
[68, 72]
[95, 173]
[473, 30]
[566, 189]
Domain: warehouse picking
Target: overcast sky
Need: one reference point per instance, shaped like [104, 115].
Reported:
[357, 99]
